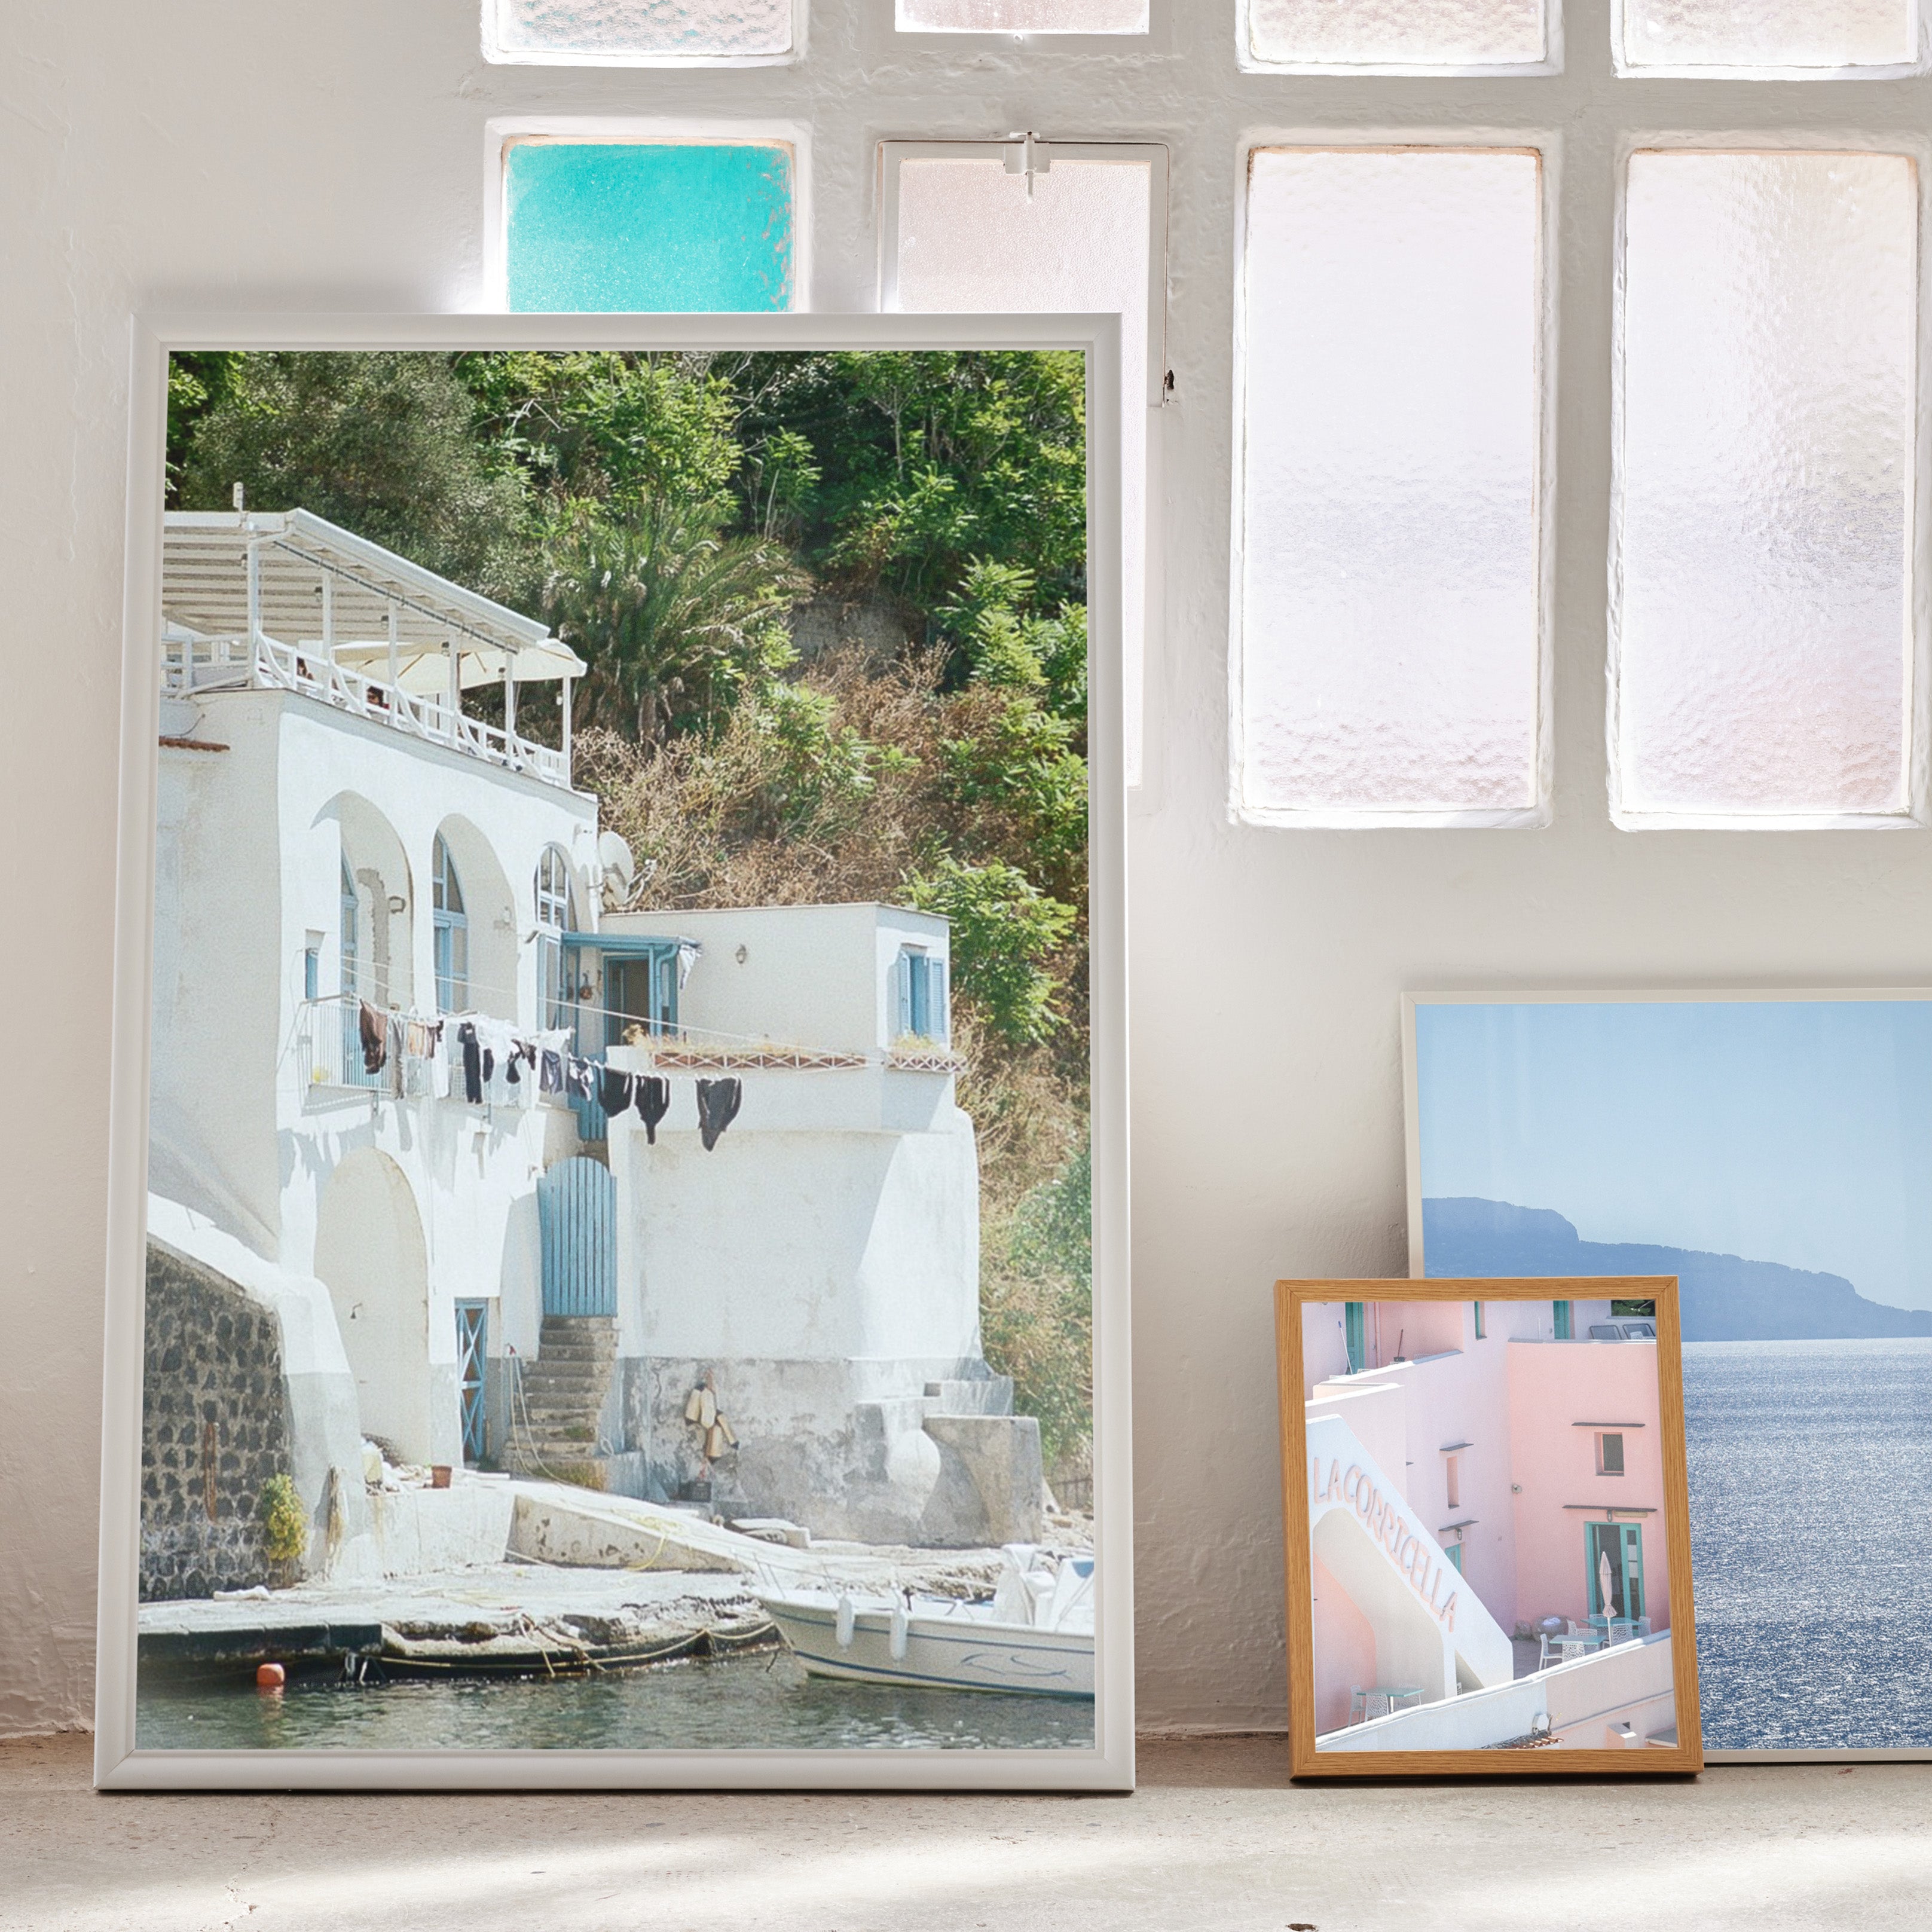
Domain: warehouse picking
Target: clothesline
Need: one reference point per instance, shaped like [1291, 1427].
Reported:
[388, 1036]
[761, 1041]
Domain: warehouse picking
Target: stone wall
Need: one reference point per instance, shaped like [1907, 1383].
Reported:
[214, 1430]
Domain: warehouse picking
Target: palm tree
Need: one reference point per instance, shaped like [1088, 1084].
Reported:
[659, 603]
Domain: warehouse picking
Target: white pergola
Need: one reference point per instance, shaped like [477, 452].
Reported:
[287, 598]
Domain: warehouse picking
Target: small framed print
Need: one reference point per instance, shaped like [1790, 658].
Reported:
[1487, 1529]
[569, 1322]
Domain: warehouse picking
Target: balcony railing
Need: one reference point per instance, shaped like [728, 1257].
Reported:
[206, 664]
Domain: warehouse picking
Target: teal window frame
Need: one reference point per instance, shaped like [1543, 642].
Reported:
[1479, 1321]
[923, 1013]
[1628, 1536]
[451, 924]
[1563, 1314]
[1355, 1335]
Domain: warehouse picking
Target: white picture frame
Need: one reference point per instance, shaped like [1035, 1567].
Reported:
[119, 1766]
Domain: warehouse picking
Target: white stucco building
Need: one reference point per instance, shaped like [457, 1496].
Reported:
[516, 1279]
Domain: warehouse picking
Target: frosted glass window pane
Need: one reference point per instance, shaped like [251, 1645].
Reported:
[1451, 34]
[1390, 611]
[1768, 379]
[621, 30]
[1769, 33]
[611, 226]
[971, 240]
[1020, 16]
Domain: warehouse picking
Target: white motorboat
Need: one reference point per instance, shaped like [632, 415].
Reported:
[1036, 1635]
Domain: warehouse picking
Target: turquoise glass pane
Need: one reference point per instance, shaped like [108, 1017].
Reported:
[602, 227]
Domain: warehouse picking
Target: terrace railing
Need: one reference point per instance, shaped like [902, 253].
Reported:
[208, 664]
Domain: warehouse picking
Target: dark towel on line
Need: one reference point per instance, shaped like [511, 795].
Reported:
[549, 1072]
[613, 1090]
[472, 1063]
[653, 1097]
[718, 1102]
[580, 1079]
[374, 1031]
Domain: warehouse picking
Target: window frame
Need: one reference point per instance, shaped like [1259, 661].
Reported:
[497, 55]
[893, 153]
[1917, 810]
[503, 132]
[1626, 69]
[1546, 144]
[1249, 61]
[449, 930]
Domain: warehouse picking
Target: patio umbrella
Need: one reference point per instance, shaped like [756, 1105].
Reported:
[1603, 1584]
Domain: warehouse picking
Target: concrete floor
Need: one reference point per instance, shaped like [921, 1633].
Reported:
[1215, 1838]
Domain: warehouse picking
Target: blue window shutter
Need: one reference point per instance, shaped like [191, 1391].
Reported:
[904, 988]
[942, 1015]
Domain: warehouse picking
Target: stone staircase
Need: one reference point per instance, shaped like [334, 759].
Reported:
[553, 1429]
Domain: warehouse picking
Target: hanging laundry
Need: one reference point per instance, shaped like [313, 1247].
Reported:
[395, 1034]
[580, 1080]
[653, 1099]
[489, 1065]
[472, 1063]
[718, 1102]
[613, 1090]
[550, 1077]
[375, 1038]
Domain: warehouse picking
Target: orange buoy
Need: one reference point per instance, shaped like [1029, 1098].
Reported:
[270, 1676]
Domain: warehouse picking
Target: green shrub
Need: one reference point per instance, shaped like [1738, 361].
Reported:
[284, 1521]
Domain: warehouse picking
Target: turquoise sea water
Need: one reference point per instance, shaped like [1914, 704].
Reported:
[762, 1701]
[609, 227]
[1810, 1467]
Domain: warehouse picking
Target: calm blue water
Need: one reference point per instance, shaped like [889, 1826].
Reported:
[653, 227]
[759, 1702]
[1811, 1470]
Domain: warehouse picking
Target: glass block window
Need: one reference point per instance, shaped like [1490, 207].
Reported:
[1780, 36]
[970, 236]
[1020, 16]
[631, 33]
[1763, 639]
[1396, 36]
[1391, 637]
[617, 226]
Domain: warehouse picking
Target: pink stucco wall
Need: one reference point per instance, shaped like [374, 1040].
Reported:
[1554, 1389]
[1345, 1650]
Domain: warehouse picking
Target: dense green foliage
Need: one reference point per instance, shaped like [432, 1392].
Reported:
[668, 515]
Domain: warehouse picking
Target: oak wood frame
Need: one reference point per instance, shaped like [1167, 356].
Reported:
[1687, 1756]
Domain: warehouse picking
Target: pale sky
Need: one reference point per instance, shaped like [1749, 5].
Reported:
[1781, 1130]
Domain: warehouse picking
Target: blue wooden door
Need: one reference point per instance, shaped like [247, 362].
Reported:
[576, 1215]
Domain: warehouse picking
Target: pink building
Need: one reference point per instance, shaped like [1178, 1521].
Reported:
[1486, 1515]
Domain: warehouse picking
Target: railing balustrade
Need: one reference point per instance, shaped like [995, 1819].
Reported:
[201, 663]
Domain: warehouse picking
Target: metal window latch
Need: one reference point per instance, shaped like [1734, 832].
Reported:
[1027, 156]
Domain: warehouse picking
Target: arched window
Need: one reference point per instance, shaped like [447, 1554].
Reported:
[352, 948]
[553, 921]
[452, 925]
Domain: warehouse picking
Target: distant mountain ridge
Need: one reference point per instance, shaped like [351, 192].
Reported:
[1723, 1297]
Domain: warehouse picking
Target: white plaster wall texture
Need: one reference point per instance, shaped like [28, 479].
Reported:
[818, 1244]
[154, 157]
[820, 976]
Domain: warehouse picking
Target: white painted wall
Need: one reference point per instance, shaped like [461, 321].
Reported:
[810, 975]
[155, 157]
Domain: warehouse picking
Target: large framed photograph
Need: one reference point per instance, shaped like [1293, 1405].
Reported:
[1487, 1530]
[1771, 1150]
[618, 1269]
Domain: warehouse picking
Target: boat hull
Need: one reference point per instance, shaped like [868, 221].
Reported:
[949, 1653]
